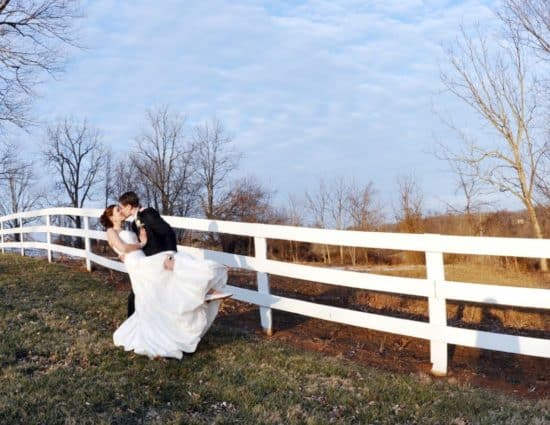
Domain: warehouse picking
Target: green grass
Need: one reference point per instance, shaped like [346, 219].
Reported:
[58, 366]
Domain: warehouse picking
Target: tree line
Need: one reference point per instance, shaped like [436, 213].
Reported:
[186, 171]
[179, 171]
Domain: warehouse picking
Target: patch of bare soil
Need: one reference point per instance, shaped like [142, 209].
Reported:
[524, 376]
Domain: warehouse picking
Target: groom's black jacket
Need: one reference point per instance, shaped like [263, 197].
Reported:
[160, 236]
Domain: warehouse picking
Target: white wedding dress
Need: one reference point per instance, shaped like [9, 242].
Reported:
[170, 313]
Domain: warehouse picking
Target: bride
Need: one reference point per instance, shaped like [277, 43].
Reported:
[177, 296]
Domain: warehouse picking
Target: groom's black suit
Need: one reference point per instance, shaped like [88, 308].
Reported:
[160, 237]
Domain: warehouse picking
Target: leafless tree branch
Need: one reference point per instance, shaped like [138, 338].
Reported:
[216, 158]
[163, 159]
[75, 152]
[500, 85]
[33, 35]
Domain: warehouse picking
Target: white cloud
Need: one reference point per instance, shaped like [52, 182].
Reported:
[303, 87]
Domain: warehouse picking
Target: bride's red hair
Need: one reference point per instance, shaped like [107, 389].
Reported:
[105, 218]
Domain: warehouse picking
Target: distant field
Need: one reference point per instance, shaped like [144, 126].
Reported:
[58, 366]
[468, 272]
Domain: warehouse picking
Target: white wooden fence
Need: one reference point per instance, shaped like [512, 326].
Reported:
[434, 287]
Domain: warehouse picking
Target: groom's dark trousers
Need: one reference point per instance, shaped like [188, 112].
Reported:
[160, 237]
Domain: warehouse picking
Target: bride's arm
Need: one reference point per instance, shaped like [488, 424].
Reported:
[118, 245]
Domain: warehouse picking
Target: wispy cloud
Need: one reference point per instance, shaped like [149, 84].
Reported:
[305, 87]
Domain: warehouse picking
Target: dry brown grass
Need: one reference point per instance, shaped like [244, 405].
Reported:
[499, 275]
[463, 313]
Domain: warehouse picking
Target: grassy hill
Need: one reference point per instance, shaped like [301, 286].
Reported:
[58, 366]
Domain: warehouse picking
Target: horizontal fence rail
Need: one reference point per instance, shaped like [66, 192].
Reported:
[435, 288]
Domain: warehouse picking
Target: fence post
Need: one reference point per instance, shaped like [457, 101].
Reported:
[49, 238]
[21, 234]
[2, 229]
[260, 250]
[435, 270]
[87, 243]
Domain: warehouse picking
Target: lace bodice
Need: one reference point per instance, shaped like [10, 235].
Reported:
[127, 237]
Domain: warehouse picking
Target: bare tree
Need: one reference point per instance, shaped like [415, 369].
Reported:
[543, 184]
[365, 212]
[364, 207]
[532, 17]
[246, 200]
[32, 37]
[473, 190]
[339, 211]
[19, 190]
[409, 212]
[501, 90]
[108, 182]
[216, 159]
[342, 204]
[7, 158]
[294, 211]
[163, 159]
[531, 20]
[317, 204]
[75, 152]
[124, 178]
[294, 216]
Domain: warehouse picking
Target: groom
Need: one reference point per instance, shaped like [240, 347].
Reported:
[160, 236]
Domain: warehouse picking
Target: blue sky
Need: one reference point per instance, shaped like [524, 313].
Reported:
[306, 89]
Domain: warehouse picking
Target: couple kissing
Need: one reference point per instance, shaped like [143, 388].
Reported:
[175, 297]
